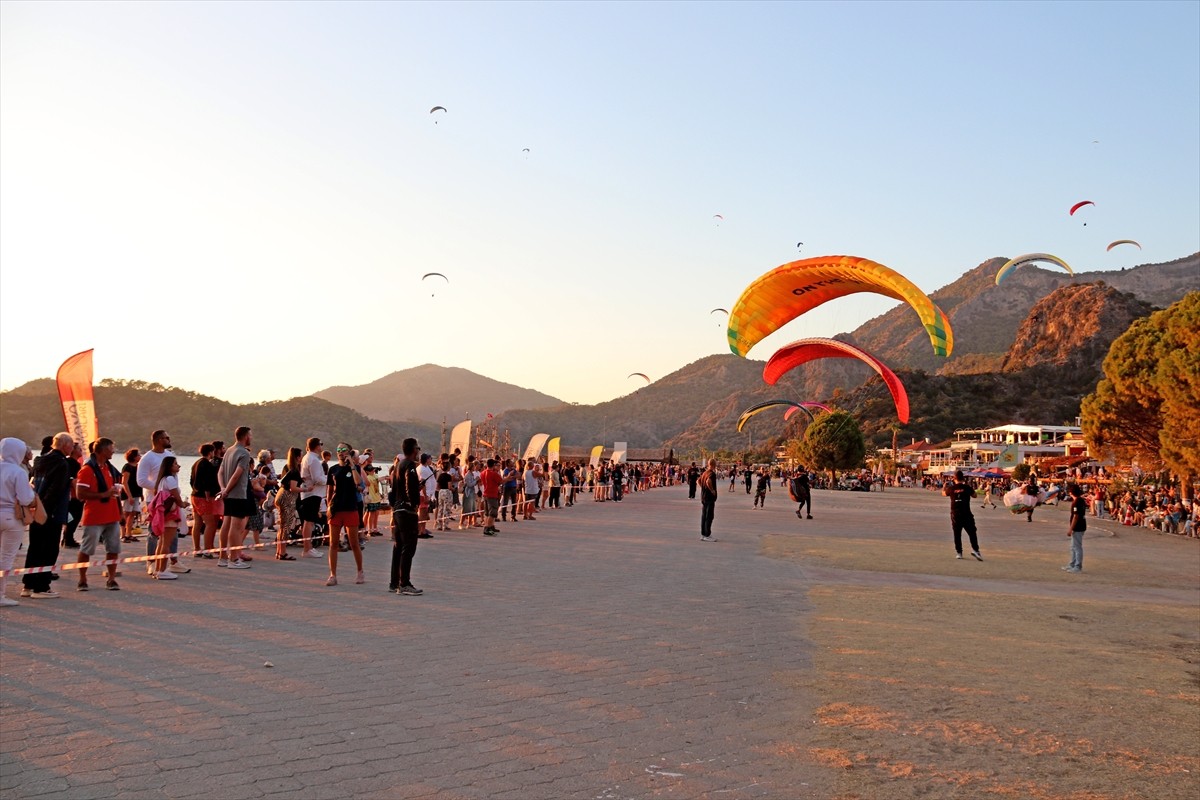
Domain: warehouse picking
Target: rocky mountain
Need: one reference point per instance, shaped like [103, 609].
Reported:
[1073, 327]
[429, 393]
[130, 410]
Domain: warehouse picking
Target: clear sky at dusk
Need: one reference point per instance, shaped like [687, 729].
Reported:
[192, 188]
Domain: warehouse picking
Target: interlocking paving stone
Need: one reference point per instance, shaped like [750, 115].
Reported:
[600, 652]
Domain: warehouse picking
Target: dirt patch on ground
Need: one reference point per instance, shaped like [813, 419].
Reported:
[944, 692]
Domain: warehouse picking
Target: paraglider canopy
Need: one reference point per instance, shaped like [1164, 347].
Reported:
[806, 406]
[437, 108]
[722, 310]
[1080, 205]
[642, 375]
[429, 275]
[761, 407]
[1029, 258]
[800, 352]
[779, 296]
[1123, 241]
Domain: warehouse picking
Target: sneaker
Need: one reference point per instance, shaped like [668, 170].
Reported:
[166, 575]
[49, 594]
[410, 589]
[799, 515]
[312, 554]
[238, 564]
[111, 585]
[958, 556]
[1069, 569]
[977, 556]
[362, 578]
[179, 569]
[25, 592]
[8, 601]
[810, 516]
[222, 562]
[708, 538]
[489, 532]
[331, 580]
[424, 536]
[83, 587]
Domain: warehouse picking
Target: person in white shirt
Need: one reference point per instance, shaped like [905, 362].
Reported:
[533, 488]
[313, 483]
[428, 479]
[147, 477]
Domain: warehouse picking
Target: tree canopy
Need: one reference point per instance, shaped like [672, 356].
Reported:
[1147, 406]
[833, 441]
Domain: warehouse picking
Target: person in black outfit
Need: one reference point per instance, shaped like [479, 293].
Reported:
[406, 493]
[74, 505]
[961, 494]
[618, 482]
[52, 481]
[693, 475]
[708, 501]
[801, 492]
[749, 478]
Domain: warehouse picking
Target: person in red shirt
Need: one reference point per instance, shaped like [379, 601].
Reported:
[491, 481]
[98, 486]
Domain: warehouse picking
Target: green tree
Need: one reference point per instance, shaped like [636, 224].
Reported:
[1147, 406]
[1021, 472]
[833, 441]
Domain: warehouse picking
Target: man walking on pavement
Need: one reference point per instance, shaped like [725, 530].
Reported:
[708, 501]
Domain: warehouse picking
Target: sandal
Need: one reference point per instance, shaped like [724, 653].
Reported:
[285, 557]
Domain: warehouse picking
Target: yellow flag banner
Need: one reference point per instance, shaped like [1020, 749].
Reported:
[552, 449]
[596, 451]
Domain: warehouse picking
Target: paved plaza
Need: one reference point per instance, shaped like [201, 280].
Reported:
[601, 651]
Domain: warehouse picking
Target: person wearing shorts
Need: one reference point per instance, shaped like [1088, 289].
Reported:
[132, 507]
[206, 485]
[99, 488]
[234, 477]
[312, 492]
[491, 482]
[342, 499]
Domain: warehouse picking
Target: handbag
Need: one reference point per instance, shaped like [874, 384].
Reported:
[34, 512]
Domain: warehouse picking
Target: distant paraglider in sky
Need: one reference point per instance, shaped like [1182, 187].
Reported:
[429, 275]
[793, 355]
[719, 219]
[1123, 241]
[641, 375]
[1080, 205]
[799, 245]
[785, 293]
[1030, 258]
[437, 108]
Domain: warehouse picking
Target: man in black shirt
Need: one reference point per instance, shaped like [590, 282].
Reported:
[52, 482]
[693, 475]
[960, 494]
[405, 500]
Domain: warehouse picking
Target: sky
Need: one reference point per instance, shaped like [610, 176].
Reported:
[241, 198]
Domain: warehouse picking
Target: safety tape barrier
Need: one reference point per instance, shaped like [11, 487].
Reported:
[105, 562]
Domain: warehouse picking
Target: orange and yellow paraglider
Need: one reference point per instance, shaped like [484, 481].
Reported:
[786, 292]
[1122, 241]
[769, 404]
[793, 355]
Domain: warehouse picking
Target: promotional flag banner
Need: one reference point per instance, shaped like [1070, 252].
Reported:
[78, 403]
[1009, 457]
[460, 438]
[596, 451]
[552, 449]
[535, 445]
[619, 450]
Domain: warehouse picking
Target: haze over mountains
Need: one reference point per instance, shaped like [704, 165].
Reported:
[1025, 351]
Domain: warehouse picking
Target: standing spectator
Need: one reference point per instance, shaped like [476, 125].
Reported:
[960, 494]
[52, 481]
[132, 506]
[234, 477]
[312, 484]
[748, 475]
[555, 500]
[428, 479]
[99, 489]
[14, 491]
[285, 503]
[147, 476]
[74, 504]
[445, 495]
[532, 490]
[708, 500]
[1079, 511]
[492, 483]
[470, 494]
[342, 499]
[406, 493]
[374, 499]
[205, 487]
[166, 516]
[801, 492]
[509, 498]
[693, 475]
